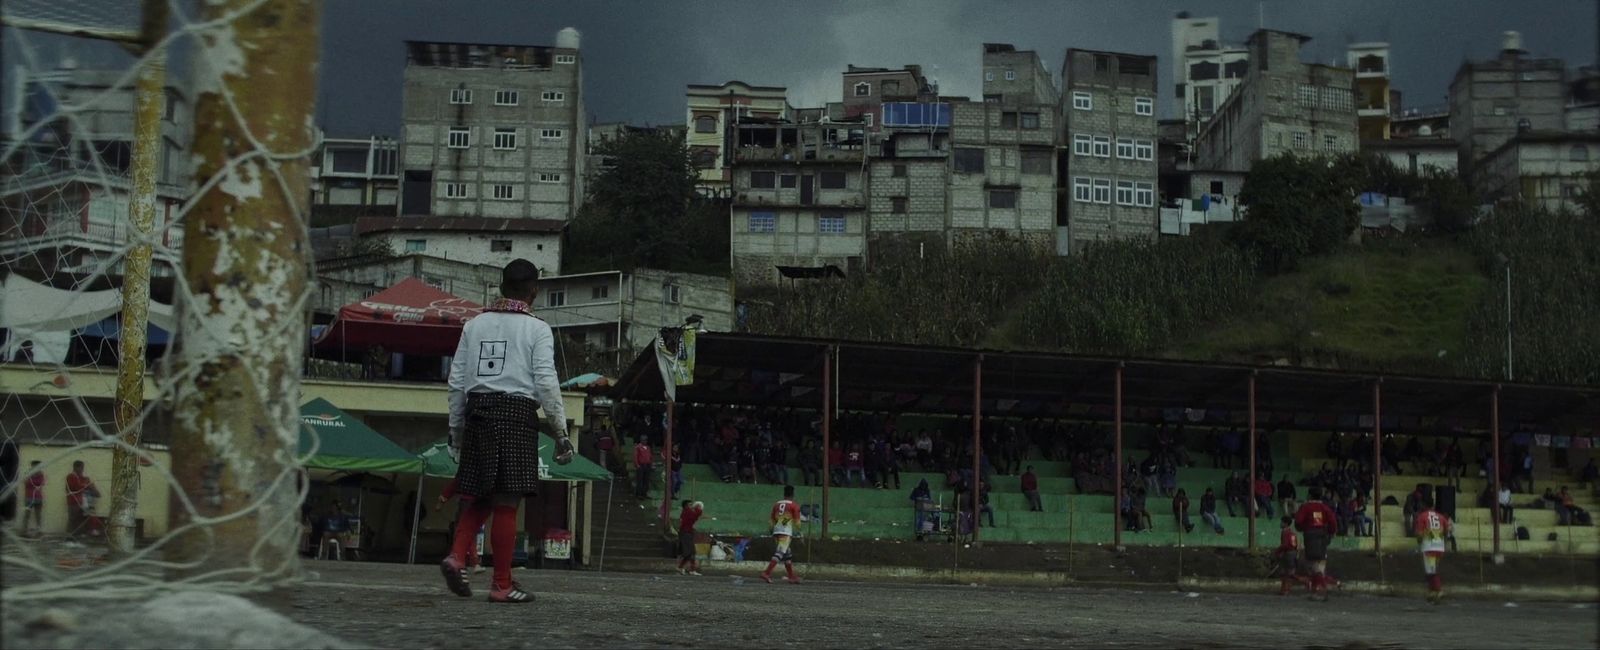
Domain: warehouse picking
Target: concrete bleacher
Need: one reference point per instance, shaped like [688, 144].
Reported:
[869, 513]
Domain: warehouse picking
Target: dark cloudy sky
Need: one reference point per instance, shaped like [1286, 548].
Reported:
[639, 54]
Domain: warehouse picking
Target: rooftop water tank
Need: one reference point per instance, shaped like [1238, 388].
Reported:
[567, 38]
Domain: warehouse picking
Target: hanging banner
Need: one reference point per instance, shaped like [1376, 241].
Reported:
[1542, 439]
[1581, 442]
[675, 358]
[786, 377]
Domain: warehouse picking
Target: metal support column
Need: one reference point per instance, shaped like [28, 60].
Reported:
[977, 443]
[1116, 453]
[1494, 439]
[1377, 466]
[827, 434]
[1250, 498]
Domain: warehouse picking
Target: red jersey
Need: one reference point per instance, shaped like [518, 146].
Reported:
[641, 455]
[687, 520]
[1432, 529]
[78, 486]
[1315, 515]
[785, 514]
[35, 488]
[1288, 542]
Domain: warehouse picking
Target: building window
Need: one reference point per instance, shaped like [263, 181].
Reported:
[549, 177]
[1144, 106]
[1035, 162]
[1081, 191]
[1330, 141]
[551, 134]
[1144, 194]
[671, 294]
[455, 190]
[566, 59]
[1003, 199]
[1124, 192]
[416, 245]
[460, 96]
[499, 245]
[553, 96]
[1082, 101]
[1125, 148]
[863, 89]
[1030, 120]
[460, 138]
[600, 293]
[1217, 188]
[555, 299]
[1302, 140]
[1579, 153]
[1102, 190]
[1307, 96]
[969, 160]
[788, 181]
[505, 139]
[1145, 149]
[1008, 120]
[705, 124]
[1102, 146]
[830, 224]
[1082, 144]
[898, 171]
[988, 75]
[897, 205]
[505, 192]
[507, 98]
[1011, 75]
[763, 180]
[833, 180]
[763, 222]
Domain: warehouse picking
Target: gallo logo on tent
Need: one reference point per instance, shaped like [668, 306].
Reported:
[323, 420]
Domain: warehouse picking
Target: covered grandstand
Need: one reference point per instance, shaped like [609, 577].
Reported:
[1295, 409]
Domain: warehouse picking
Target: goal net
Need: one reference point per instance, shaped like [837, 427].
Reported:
[117, 140]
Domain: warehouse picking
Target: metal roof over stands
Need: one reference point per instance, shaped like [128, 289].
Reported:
[770, 371]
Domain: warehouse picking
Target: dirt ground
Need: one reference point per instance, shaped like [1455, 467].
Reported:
[407, 606]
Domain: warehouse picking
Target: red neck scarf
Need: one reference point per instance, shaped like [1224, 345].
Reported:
[508, 305]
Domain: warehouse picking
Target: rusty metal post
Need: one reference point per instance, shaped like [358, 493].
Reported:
[1494, 439]
[149, 96]
[1116, 453]
[1250, 494]
[827, 435]
[977, 441]
[1377, 470]
[666, 469]
[245, 260]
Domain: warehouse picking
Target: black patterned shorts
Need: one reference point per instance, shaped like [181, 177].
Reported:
[499, 446]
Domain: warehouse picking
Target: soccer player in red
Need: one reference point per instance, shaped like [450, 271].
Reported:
[785, 514]
[1288, 554]
[1432, 528]
[686, 521]
[1318, 523]
[474, 561]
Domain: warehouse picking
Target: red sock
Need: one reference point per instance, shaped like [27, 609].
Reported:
[788, 567]
[503, 539]
[472, 517]
[770, 565]
[694, 565]
[1435, 583]
[681, 561]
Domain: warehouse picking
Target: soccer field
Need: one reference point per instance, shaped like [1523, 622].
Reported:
[407, 606]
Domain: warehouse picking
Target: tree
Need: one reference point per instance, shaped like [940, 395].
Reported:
[642, 211]
[1298, 207]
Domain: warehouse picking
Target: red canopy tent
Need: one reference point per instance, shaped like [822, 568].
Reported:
[410, 318]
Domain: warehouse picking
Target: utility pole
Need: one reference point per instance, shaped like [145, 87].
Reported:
[149, 98]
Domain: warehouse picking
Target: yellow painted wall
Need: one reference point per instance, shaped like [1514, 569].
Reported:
[56, 461]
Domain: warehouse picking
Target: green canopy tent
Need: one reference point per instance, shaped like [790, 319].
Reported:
[344, 443]
[436, 461]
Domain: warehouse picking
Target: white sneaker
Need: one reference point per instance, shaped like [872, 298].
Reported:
[682, 571]
[477, 569]
[694, 573]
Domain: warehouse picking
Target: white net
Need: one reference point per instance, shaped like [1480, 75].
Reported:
[210, 504]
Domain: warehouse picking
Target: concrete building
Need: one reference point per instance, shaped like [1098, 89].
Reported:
[344, 280]
[799, 200]
[865, 90]
[1283, 105]
[64, 192]
[1545, 169]
[1490, 101]
[602, 308]
[1370, 61]
[354, 177]
[1108, 135]
[1416, 155]
[494, 242]
[493, 131]
[712, 112]
[1015, 77]
[909, 175]
[1205, 71]
[1583, 100]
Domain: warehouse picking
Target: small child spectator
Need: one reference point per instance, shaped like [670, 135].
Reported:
[1208, 510]
[1180, 510]
[1030, 489]
[1288, 555]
